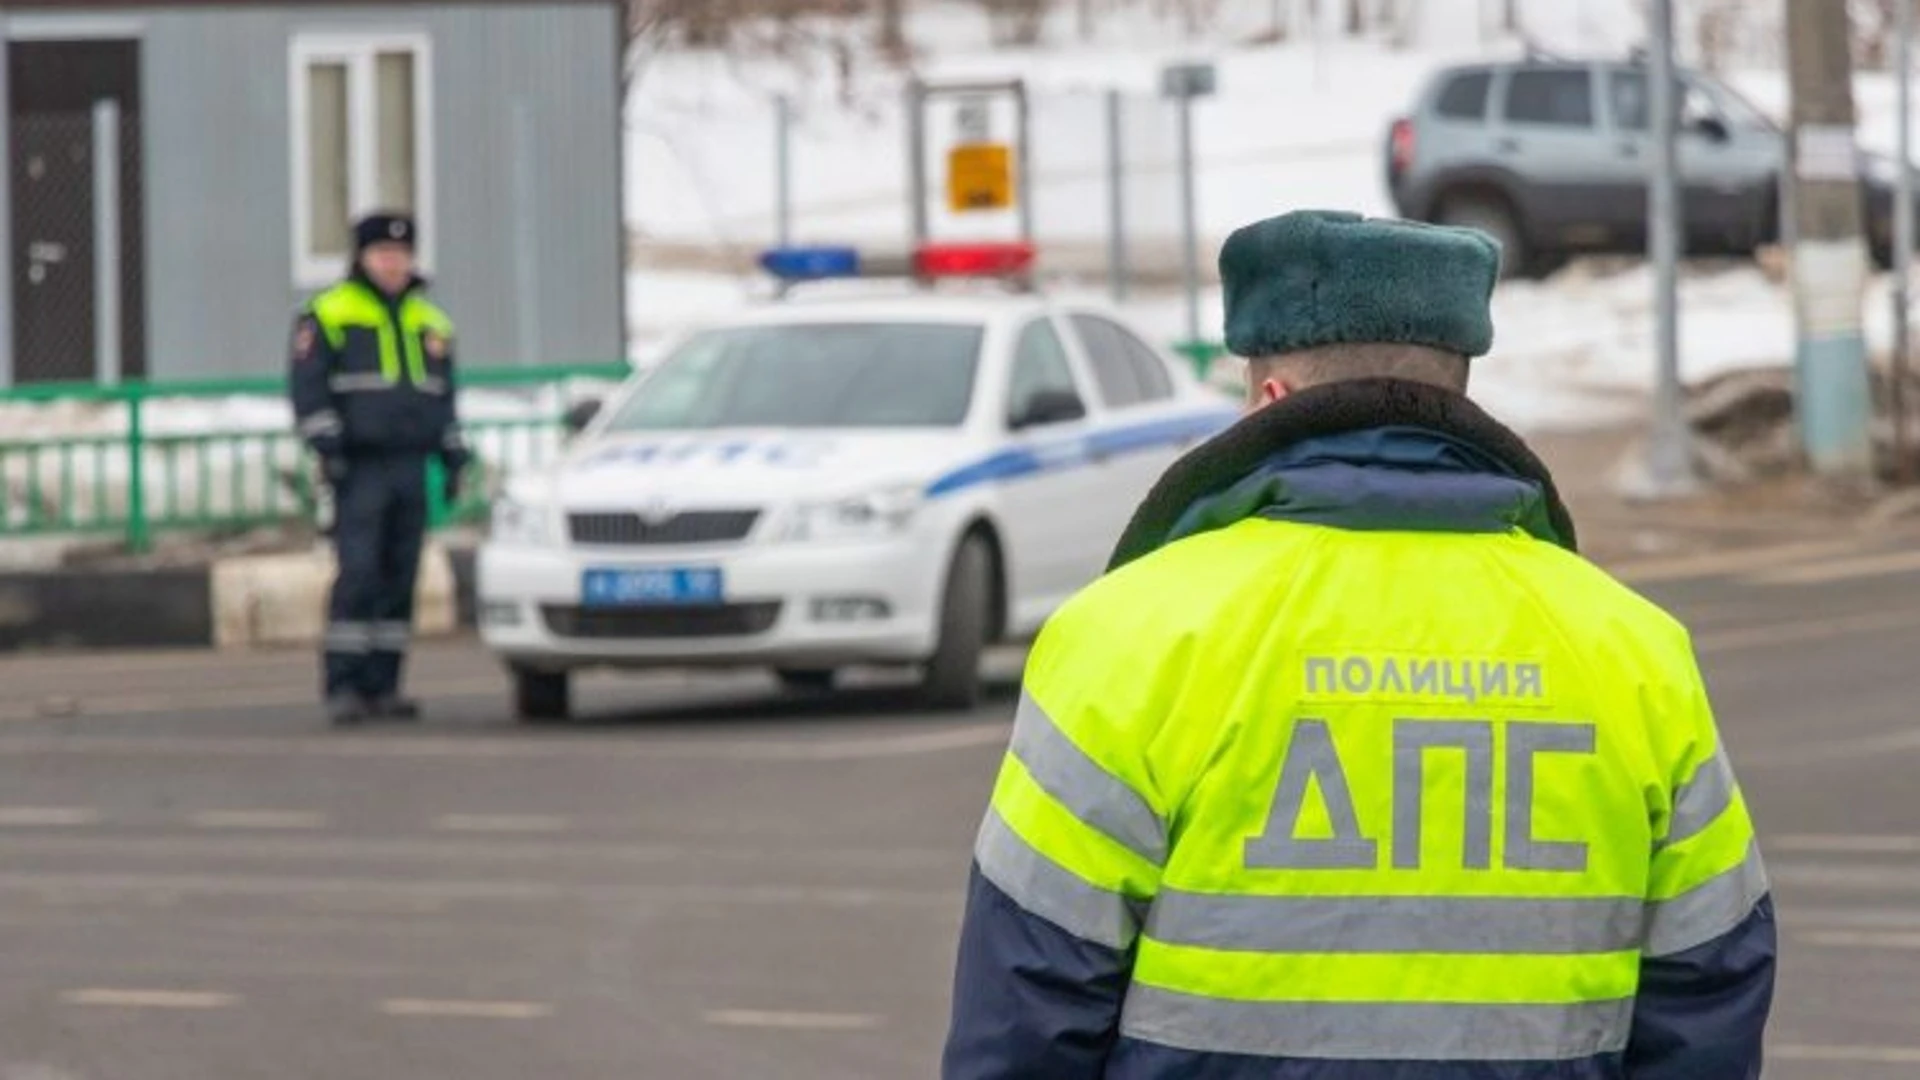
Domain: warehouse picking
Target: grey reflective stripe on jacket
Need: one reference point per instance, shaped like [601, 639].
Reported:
[1708, 910]
[1088, 791]
[1515, 926]
[1050, 891]
[1700, 801]
[1377, 1031]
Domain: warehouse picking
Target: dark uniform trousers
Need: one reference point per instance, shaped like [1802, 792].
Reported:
[380, 522]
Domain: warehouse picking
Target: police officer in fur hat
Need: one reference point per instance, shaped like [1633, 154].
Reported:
[373, 397]
[1351, 765]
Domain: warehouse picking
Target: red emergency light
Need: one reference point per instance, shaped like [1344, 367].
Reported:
[1000, 259]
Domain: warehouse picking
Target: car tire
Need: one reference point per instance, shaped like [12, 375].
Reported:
[807, 680]
[1491, 215]
[951, 679]
[541, 697]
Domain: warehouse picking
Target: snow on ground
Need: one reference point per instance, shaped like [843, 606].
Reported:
[1293, 125]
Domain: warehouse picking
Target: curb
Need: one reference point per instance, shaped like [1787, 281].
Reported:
[106, 609]
[244, 602]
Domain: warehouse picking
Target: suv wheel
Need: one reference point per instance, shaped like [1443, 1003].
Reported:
[1491, 215]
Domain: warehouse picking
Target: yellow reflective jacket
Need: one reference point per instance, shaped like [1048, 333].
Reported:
[1353, 760]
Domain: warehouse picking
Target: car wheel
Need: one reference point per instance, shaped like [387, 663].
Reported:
[1491, 215]
[952, 676]
[542, 696]
[807, 680]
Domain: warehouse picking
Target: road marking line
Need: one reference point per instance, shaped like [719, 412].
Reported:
[502, 823]
[149, 999]
[1756, 637]
[1886, 1055]
[25, 817]
[1855, 939]
[1904, 562]
[258, 819]
[466, 1010]
[1843, 843]
[1832, 750]
[1845, 878]
[991, 734]
[1722, 563]
[792, 1021]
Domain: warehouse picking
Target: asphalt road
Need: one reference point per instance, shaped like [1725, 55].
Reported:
[706, 879]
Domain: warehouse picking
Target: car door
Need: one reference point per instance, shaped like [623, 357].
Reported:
[1726, 167]
[1131, 441]
[1045, 510]
[1549, 136]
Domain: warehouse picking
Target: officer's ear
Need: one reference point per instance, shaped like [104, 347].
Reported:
[1265, 385]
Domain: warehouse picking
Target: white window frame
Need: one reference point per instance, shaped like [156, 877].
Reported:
[357, 51]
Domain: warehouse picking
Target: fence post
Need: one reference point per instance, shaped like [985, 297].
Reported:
[139, 538]
[1116, 201]
[437, 509]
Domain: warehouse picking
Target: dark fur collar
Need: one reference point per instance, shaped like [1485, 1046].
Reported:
[1318, 412]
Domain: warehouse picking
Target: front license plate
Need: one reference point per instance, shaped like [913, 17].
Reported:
[634, 588]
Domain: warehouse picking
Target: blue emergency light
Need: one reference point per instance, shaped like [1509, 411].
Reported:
[990, 259]
[811, 263]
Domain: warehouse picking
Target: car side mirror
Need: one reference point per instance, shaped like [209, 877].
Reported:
[1050, 407]
[580, 415]
[1713, 128]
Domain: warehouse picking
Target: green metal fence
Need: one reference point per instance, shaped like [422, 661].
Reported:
[150, 467]
[146, 464]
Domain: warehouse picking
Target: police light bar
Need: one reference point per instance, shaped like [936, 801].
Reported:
[972, 260]
[944, 260]
[811, 263]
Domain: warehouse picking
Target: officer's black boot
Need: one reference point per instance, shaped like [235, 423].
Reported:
[346, 710]
[394, 707]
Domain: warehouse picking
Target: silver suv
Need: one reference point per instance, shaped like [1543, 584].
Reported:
[1551, 157]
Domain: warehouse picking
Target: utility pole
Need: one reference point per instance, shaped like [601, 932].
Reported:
[893, 32]
[1669, 455]
[1829, 258]
[1903, 231]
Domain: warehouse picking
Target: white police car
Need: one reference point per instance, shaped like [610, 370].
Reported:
[817, 485]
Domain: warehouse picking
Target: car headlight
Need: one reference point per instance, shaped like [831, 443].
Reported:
[876, 513]
[521, 522]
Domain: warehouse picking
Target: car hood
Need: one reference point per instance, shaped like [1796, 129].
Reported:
[747, 468]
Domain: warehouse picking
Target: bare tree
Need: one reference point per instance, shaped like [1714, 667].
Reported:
[1016, 22]
[892, 38]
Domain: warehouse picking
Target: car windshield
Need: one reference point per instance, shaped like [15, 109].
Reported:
[851, 375]
[1741, 113]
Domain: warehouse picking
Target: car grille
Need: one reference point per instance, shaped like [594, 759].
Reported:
[691, 527]
[660, 621]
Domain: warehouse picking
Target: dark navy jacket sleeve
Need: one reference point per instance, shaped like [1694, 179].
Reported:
[1030, 1001]
[1701, 1013]
[309, 366]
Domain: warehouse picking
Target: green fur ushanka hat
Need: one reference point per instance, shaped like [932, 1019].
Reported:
[1319, 277]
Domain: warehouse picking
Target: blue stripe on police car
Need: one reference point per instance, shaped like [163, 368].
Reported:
[1017, 462]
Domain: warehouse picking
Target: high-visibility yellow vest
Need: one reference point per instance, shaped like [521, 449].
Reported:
[352, 305]
[1371, 794]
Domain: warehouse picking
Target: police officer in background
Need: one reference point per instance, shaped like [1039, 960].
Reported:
[1351, 767]
[373, 396]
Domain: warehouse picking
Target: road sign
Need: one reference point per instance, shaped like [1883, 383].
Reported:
[979, 177]
[973, 120]
[1188, 80]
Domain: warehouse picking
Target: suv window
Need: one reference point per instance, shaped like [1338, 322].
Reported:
[1128, 372]
[1465, 98]
[1632, 99]
[1039, 365]
[1562, 98]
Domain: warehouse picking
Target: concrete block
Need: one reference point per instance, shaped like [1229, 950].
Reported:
[281, 599]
